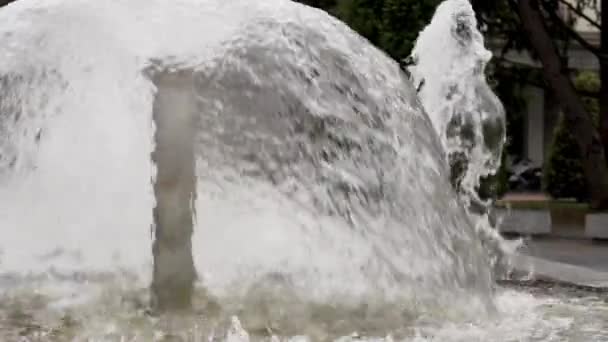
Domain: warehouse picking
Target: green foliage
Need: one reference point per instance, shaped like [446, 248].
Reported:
[391, 25]
[563, 176]
[589, 82]
[363, 16]
[401, 22]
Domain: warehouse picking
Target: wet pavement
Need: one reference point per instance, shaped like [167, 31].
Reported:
[578, 252]
[572, 261]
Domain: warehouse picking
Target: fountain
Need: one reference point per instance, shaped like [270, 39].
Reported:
[319, 179]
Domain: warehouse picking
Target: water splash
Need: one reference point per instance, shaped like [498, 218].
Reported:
[338, 154]
[324, 199]
[449, 62]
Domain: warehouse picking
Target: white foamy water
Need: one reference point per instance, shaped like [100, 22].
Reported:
[324, 204]
[450, 60]
[449, 63]
[316, 162]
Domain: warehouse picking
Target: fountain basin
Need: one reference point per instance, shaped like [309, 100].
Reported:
[527, 311]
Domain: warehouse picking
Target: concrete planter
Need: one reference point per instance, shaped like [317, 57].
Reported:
[524, 221]
[596, 226]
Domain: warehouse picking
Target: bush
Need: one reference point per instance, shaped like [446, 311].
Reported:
[563, 175]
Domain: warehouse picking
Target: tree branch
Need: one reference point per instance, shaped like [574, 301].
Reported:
[521, 79]
[587, 93]
[507, 46]
[573, 34]
[510, 68]
[579, 120]
[580, 13]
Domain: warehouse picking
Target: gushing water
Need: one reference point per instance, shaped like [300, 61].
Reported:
[449, 62]
[324, 200]
[449, 69]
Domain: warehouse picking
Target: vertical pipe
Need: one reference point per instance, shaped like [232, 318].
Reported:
[175, 191]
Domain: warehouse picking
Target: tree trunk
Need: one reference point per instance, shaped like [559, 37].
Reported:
[174, 190]
[587, 137]
[604, 77]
